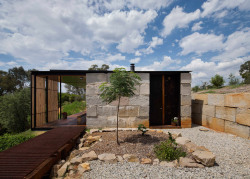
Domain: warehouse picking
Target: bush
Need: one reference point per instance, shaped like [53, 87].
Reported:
[75, 107]
[195, 89]
[14, 111]
[233, 80]
[169, 150]
[8, 140]
[217, 81]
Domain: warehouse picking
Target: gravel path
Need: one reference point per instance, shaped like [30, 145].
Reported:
[232, 158]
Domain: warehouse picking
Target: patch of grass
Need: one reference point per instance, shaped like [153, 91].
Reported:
[75, 107]
[169, 150]
[10, 140]
[210, 91]
[236, 86]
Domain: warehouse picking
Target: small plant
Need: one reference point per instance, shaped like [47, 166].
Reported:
[175, 121]
[169, 150]
[87, 130]
[100, 129]
[142, 128]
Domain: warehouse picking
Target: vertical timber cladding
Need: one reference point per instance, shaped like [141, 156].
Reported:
[40, 101]
[52, 98]
[32, 101]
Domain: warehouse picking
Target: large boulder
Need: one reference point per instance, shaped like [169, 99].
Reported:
[205, 157]
[189, 163]
[89, 156]
[131, 158]
[107, 157]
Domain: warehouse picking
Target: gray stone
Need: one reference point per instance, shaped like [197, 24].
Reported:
[119, 158]
[156, 161]
[144, 89]
[185, 77]
[182, 140]
[131, 158]
[189, 163]
[91, 89]
[91, 111]
[96, 77]
[144, 111]
[63, 169]
[186, 111]
[129, 111]
[204, 157]
[141, 100]
[106, 110]
[76, 160]
[107, 157]
[94, 100]
[185, 89]
[109, 129]
[186, 100]
[144, 77]
[89, 156]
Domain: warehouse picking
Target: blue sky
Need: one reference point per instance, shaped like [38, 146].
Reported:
[206, 37]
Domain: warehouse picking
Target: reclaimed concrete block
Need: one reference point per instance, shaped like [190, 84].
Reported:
[215, 99]
[91, 111]
[241, 100]
[237, 129]
[141, 100]
[185, 77]
[106, 110]
[186, 122]
[144, 89]
[144, 111]
[185, 100]
[208, 110]
[186, 111]
[93, 89]
[144, 77]
[140, 120]
[185, 89]
[96, 77]
[129, 111]
[123, 102]
[243, 116]
[93, 122]
[200, 98]
[137, 90]
[94, 100]
[226, 113]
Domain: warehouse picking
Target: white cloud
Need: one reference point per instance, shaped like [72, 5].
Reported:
[138, 53]
[219, 8]
[135, 60]
[178, 19]
[152, 44]
[117, 57]
[197, 26]
[200, 43]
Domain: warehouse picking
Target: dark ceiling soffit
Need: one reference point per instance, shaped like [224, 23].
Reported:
[84, 72]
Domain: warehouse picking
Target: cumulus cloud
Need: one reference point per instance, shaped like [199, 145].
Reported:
[152, 44]
[135, 60]
[116, 57]
[197, 26]
[178, 19]
[200, 43]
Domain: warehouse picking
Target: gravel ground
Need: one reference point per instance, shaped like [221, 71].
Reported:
[232, 158]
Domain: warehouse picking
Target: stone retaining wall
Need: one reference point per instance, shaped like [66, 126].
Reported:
[133, 111]
[223, 112]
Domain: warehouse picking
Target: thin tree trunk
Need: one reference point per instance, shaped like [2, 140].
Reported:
[117, 121]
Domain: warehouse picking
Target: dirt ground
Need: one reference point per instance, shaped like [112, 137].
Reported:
[228, 89]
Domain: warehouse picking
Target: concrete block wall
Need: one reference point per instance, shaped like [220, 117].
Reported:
[223, 112]
[133, 111]
[185, 92]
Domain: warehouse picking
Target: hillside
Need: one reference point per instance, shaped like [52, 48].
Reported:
[228, 89]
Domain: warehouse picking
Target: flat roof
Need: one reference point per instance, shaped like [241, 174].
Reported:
[84, 72]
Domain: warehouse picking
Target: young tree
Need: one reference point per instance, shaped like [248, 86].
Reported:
[122, 84]
[233, 80]
[217, 81]
[245, 72]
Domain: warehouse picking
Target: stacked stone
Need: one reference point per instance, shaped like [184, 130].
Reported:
[186, 121]
[133, 111]
[223, 112]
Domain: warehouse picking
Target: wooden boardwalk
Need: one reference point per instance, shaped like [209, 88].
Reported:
[35, 157]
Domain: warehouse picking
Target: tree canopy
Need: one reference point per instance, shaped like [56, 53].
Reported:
[95, 67]
[245, 72]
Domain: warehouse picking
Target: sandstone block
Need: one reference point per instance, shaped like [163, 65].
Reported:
[144, 111]
[156, 161]
[119, 158]
[63, 169]
[96, 77]
[190, 146]
[169, 164]
[182, 140]
[237, 129]
[208, 110]
[200, 98]
[186, 122]
[146, 161]
[185, 89]
[91, 111]
[216, 124]
[186, 111]
[144, 89]
[83, 167]
[141, 100]
[241, 100]
[89, 156]
[129, 111]
[107, 157]
[204, 157]
[106, 110]
[243, 116]
[189, 163]
[226, 113]
[215, 99]
[76, 160]
[185, 100]
[185, 77]
[131, 158]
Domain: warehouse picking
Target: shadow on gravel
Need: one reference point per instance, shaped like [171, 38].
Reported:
[146, 139]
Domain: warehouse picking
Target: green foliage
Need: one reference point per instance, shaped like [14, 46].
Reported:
[169, 150]
[217, 81]
[75, 107]
[70, 98]
[142, 128]
[122, 84]
[14, 111]
[175, 120]
[9, 140]
[245, 72]
[95, 67]
[210, 91]
[195, 89]
[233, 80]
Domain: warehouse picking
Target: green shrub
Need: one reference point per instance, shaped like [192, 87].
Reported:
[169, 150]
[9, 140]
[14, 111]
[217, 81]
[75, 107]
[142, 128]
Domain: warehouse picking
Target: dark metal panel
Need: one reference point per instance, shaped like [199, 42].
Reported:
[34, 101]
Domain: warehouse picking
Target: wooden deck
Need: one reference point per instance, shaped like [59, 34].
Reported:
[35, 157]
